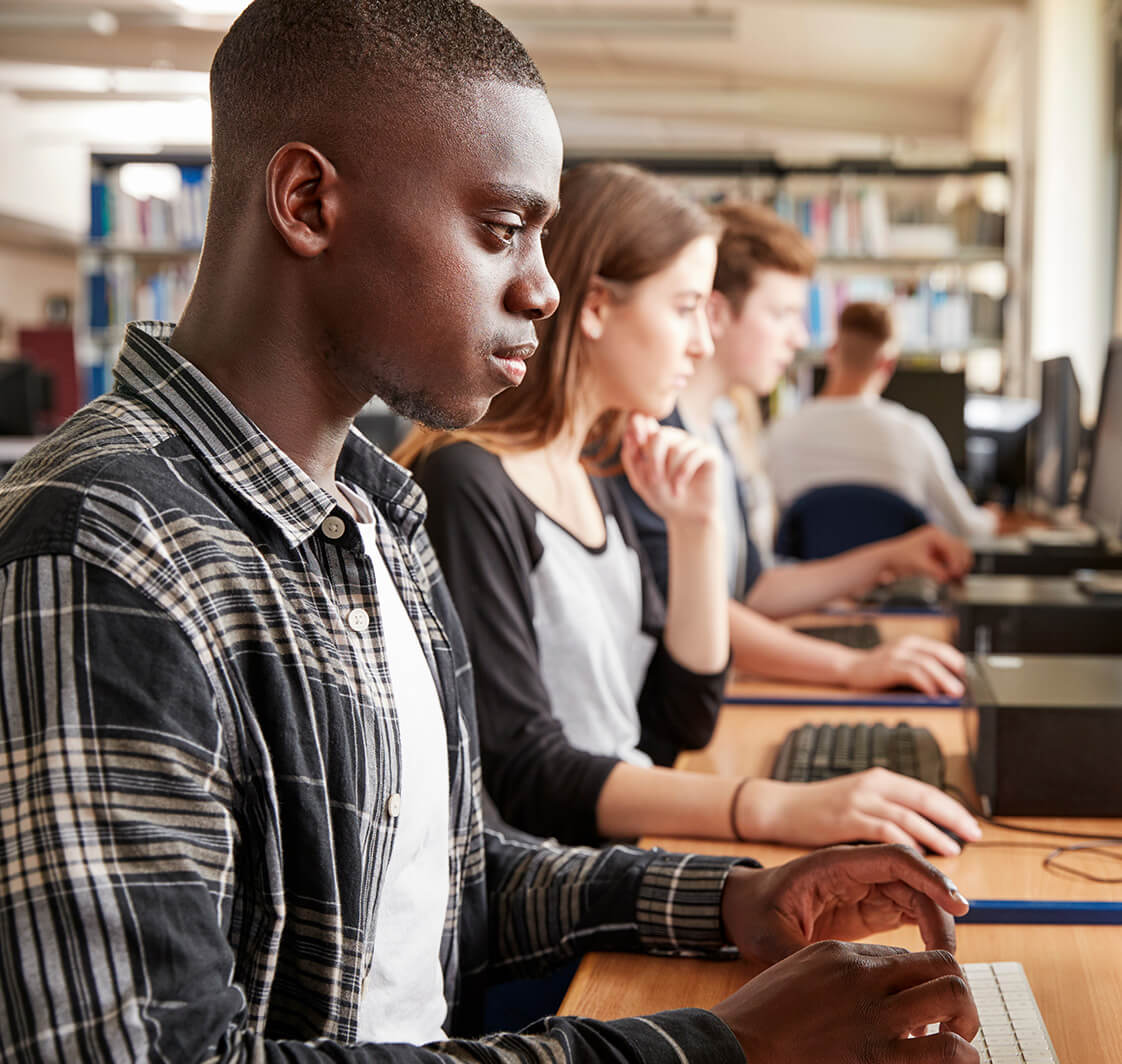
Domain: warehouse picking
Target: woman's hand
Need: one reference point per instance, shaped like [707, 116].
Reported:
[674, 473]
[873, 806]
[928, 665]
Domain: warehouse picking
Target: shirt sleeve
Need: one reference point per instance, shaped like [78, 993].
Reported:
[120, 846]
[618, 899]
[944, 491]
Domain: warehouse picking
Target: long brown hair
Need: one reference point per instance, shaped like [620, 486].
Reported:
[617, 223]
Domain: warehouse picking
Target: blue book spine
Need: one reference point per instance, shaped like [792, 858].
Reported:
[814, 323]
[99, 300]
[97, 210]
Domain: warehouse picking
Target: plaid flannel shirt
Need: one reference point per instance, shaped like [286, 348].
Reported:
[199, 762]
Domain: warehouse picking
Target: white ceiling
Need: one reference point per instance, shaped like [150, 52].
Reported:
[671, 75]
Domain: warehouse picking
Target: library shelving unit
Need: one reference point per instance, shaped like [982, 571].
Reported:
[927, 240]
[139, 264]
[140, 258]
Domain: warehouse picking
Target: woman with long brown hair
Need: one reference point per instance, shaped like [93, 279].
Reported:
[587, 683]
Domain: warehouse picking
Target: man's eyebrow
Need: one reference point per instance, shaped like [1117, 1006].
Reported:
[531, 202]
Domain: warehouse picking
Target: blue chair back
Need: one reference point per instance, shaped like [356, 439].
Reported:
[838, 517]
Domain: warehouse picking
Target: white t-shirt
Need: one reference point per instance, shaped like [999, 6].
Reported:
[403, 993]
[593, 670]
[869, 440]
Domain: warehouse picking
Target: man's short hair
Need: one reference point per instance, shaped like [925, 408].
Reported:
[863, 330]
[755, 239]
[287, 66]
[871, 320]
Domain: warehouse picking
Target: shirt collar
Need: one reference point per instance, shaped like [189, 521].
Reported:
[242, 456]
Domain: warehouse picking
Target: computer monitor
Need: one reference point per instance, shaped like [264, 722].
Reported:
[1057, 432]
[25, 393]
[1102, 496]
[936, 393]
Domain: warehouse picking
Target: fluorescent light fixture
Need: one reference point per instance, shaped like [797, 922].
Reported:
[45, 81]
[212, 7]
[103, 23]
[620, 21]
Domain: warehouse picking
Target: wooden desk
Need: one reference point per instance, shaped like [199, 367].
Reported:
[1075, 972]
[746, 741]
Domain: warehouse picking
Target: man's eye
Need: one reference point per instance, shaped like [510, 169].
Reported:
[505, 231]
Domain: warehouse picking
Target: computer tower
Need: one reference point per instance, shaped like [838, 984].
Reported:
[1046, 733]
[1002, 614]
[1017, 556]
[25, 393]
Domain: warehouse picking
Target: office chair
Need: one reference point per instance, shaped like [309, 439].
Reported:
[837, 517]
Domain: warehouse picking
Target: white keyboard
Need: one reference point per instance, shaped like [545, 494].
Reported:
[1013, 1030]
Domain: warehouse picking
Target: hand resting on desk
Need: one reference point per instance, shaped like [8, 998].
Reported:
[824, 999]
[928, 665]
[876, 805]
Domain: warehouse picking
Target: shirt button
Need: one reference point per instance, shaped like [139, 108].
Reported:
[393, 806]
[358, 619]
[333, 527]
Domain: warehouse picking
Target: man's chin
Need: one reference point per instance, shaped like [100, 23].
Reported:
[436, 416]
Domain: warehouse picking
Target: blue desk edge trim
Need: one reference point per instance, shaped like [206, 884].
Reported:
[1041, 911]
[849, 699]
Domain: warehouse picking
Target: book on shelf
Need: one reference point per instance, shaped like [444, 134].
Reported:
[860, 222]
[926, 317]
[121, 220]
[118, 292]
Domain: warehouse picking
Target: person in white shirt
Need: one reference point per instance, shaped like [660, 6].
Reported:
[849, 434]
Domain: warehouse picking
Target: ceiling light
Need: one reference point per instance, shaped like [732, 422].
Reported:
[103, 23]
[213, 7]
[621, 21]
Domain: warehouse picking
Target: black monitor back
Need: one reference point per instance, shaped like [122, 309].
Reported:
[1102, 495]
[1057, 432]
[936, 393]
[25, 394]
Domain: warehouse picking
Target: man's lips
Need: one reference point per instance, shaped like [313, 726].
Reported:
[511, 361]
[518, 351]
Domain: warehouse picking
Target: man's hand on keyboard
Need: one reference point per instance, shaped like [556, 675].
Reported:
[927, 665]
[846, 892]
[874, 806]
[857, 1004]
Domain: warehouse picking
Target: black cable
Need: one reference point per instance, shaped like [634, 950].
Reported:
[950, 788]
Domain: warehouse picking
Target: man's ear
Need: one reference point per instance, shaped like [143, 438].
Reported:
[594, 310]
[719, 311]
[302, 197]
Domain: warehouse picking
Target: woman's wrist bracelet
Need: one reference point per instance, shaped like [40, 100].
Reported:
[732, 809]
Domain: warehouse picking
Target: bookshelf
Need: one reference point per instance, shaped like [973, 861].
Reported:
[139, 260]
[928, 240]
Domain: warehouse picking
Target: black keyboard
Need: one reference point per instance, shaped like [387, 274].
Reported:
[908, 593]
[857, 636]
[822, 751]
